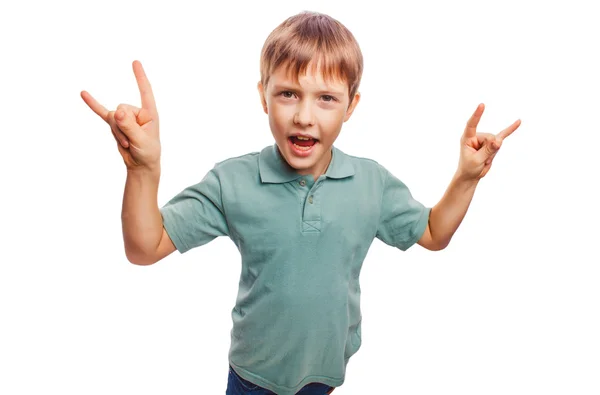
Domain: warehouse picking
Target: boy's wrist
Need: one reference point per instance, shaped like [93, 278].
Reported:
[464, 180]
[145, 171]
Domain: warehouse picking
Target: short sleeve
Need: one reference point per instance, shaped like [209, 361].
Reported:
[403, 219]
[195, 216]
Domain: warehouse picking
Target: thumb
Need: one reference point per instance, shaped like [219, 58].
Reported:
[126, 122]
[489, 149]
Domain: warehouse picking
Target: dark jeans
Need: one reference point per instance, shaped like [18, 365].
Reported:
[239, 386]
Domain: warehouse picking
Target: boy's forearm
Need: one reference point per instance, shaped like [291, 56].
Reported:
[446, 216]
[140, 216]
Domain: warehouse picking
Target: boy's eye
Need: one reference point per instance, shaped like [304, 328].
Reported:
[291, 95]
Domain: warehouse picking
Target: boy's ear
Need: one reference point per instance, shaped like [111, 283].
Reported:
[352, 106]
[263, 100]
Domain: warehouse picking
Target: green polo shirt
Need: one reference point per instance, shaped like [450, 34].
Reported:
[302, 242]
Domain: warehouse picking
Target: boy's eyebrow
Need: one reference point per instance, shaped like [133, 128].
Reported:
[280, 87]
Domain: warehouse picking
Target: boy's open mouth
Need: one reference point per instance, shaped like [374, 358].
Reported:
[303, 143]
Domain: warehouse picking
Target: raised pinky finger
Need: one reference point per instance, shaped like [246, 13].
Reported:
[92, 103]
[508, 131]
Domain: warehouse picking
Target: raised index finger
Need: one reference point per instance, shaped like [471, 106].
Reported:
[145, 89]
[471, 128]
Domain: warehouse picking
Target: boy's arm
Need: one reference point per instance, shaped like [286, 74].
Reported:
[146, 241]
[476, 156]
[446, 216]
[136, 131]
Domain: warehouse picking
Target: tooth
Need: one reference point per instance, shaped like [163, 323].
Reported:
[302, 138]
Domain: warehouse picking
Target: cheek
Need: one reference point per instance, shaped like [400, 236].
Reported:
[331, 121]
[278, 118]
[281, 115]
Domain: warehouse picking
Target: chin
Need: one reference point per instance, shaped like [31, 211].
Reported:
[301, 166]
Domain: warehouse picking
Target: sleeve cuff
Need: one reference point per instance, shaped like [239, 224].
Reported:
[172, 231]
[417, 230]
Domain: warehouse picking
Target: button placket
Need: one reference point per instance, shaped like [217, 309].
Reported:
[312, 210]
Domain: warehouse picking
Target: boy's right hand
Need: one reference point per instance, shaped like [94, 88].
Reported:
[135, 129]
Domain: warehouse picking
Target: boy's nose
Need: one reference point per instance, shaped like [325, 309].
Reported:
[304, 116]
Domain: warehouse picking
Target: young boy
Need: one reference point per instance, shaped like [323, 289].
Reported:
[301, 212]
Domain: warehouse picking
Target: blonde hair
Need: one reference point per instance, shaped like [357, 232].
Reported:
[316, 39]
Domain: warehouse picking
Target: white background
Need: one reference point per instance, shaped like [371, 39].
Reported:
[510, 307]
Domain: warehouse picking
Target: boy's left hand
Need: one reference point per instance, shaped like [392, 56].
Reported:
[477, 150]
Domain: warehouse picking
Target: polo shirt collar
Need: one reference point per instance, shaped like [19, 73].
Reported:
[274, 169]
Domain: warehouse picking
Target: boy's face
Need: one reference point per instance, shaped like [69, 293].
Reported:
[306, 117]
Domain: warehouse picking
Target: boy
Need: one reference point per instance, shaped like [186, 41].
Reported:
[301, 212]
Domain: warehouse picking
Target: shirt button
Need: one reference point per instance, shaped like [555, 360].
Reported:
[302, 183]
[310, 199]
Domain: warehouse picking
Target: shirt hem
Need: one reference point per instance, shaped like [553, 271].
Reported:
[278, 389]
